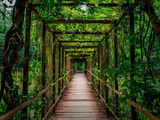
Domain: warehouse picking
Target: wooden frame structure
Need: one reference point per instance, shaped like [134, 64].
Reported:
[64, 60]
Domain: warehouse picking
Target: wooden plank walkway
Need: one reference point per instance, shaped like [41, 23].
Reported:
[79, 102]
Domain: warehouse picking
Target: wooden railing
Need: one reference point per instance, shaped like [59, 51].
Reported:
[137, 106]
[14, 111]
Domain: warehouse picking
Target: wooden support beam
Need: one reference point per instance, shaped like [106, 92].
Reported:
[132, 60]
[43, 68]
[94, 33]
[99, 64]
[63, 65]
[155, 21]
[81, 21]
[78, 59]
[106, 62]
[59, 69]
[79, 41]
[76, 4]
[35, 12]
[54, 88]
[122, 17]
[79, 51]
[26, 60]
[69, 47]
[116, 66]
[79, 55]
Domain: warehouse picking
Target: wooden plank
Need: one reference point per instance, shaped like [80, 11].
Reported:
[53, 118]
[81, 109]
[79, 101]
[78, 115]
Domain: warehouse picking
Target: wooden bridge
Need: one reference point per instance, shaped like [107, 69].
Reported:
[74, 94]
[79, 102]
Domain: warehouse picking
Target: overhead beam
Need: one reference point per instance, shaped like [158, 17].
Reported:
[75, 4]
[67, 47]
[79, 51]
[35, 12]
[81, 21]
[78, 41]
[125, 13]
[79, 32]
[80, 54]
[78, 59]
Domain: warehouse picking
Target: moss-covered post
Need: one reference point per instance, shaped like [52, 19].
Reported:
[132, 60]
[75, 67]
[53, 76]
[43, 68]
[103, 67]
[57, 66]
[116, 66]
[68, 67]
[26, 60]
[59, 70]
[98, 67]
[89, 65]
[62, 65]
[106, 62]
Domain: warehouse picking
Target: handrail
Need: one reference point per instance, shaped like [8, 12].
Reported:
[105, 102]
[54, 103]
[26, 103]
[137, 106]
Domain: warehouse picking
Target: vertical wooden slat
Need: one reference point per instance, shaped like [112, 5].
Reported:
[99, 66]
[43, 67]
[54, 89]
[26, 60]
[62, 65]
[59, 69]
[57, 66]
[132, 59]
[107, 60]
[115, 66]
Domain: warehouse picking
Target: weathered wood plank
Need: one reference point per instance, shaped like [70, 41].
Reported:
[79, 101]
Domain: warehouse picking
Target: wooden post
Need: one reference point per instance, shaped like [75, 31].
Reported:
[107, 60]
[54, 88]
[99, 87]
[62, 67]
[59, 68]
[26, 60]
[64, 62]
[43, 67]
[132, 59]
[68, 67]
[116, 66]
[90, 69]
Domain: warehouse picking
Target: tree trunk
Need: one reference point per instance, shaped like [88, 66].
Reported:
[13, 44]
[147, 7]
